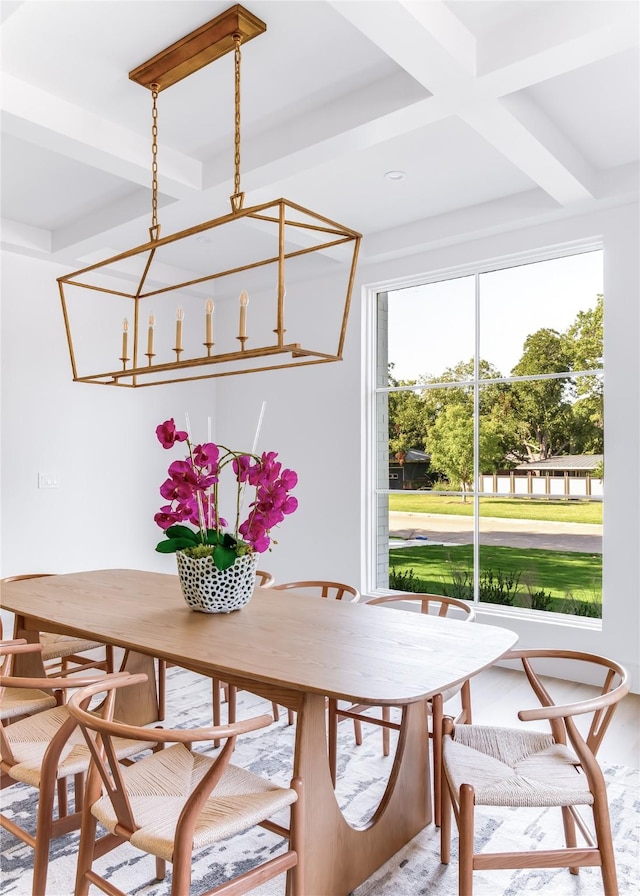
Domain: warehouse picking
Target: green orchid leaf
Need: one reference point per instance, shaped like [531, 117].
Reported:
[171, 545]
[183, 532]
[223, 557]
[228, 541]
[213, 536]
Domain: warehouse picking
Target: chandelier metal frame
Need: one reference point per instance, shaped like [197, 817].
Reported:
[222, 35]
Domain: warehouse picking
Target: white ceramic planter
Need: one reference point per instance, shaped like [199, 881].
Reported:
[208, 589]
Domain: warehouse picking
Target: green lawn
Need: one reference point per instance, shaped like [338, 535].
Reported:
[558, 573]
[504, 508]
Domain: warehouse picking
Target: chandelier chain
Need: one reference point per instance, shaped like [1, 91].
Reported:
[237, 39]
[154, 157]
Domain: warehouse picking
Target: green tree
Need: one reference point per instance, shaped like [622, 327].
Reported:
[585, 342]
[406, 418]
[544, 406]
[450, 443]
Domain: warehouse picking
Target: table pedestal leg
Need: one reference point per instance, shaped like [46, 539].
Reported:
[138, 705]
[336, 857]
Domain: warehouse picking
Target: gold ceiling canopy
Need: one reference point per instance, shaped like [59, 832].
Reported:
[209, 300]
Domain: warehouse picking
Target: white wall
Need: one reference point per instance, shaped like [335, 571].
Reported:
[102, 440]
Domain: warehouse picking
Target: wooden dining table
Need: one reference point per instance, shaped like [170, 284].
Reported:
[294, 650]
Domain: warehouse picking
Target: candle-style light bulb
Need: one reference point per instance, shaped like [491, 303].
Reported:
[150, 334]
[209, 322]
[179, 319]
[125, 331]
[244, 301]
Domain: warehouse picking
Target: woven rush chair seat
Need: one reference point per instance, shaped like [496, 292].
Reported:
[513, 767]
[524, 768]
[23, 702]
[59, 646]
[31, 737]
[159, 786]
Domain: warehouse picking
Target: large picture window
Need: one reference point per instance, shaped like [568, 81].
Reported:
[489, 431]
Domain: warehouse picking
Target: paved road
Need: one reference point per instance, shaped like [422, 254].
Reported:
[448, 529]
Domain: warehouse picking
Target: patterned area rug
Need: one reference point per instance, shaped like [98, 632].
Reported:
[363, 773]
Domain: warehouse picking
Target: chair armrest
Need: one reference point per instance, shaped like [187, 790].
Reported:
[574, 709]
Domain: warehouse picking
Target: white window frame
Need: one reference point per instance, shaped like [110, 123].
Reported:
[370, 374]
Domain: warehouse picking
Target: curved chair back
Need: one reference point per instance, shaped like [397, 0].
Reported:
[434, 604]
[330, 590]
[264, 579]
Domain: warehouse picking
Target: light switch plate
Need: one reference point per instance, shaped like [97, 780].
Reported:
[48, 480]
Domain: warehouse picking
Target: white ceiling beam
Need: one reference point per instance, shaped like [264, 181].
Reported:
[438, 20]
[536, 157]
[394, 27]
[566, 176]
[136, 205]
[535, 49]
[38, 117]
[23, 238]
[544, 131]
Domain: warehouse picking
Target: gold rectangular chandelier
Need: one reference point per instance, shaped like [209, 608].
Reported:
[210, 300]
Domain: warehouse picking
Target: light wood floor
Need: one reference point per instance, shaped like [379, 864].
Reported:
[498, 693]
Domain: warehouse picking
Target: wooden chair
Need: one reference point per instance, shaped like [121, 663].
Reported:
[45, 751]
[486, 766]
[63, 654]
[175, 801]
[328, 591]
[437, 605]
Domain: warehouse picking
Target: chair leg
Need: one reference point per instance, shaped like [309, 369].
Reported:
[161, 869]
[276, 712]
[231, 703]
[181, 873]
[79, 782]
[602, 827]
[332, 738]
[290, 717]
[44, 830]
[437, 712]
[386, 739]
[162, 688]
[63, 797]
[465, 701]
[109, 661]
[216, 687]
[445, 826]
[569, 825]
[357, 732]
[85, 852]
[466, 823]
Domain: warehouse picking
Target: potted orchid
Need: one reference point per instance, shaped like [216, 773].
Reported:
[207, 545]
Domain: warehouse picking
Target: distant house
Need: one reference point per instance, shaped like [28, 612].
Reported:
[408, 469]
[564, 476]
[573, 464]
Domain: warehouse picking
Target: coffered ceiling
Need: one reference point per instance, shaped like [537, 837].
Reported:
[499, 114]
